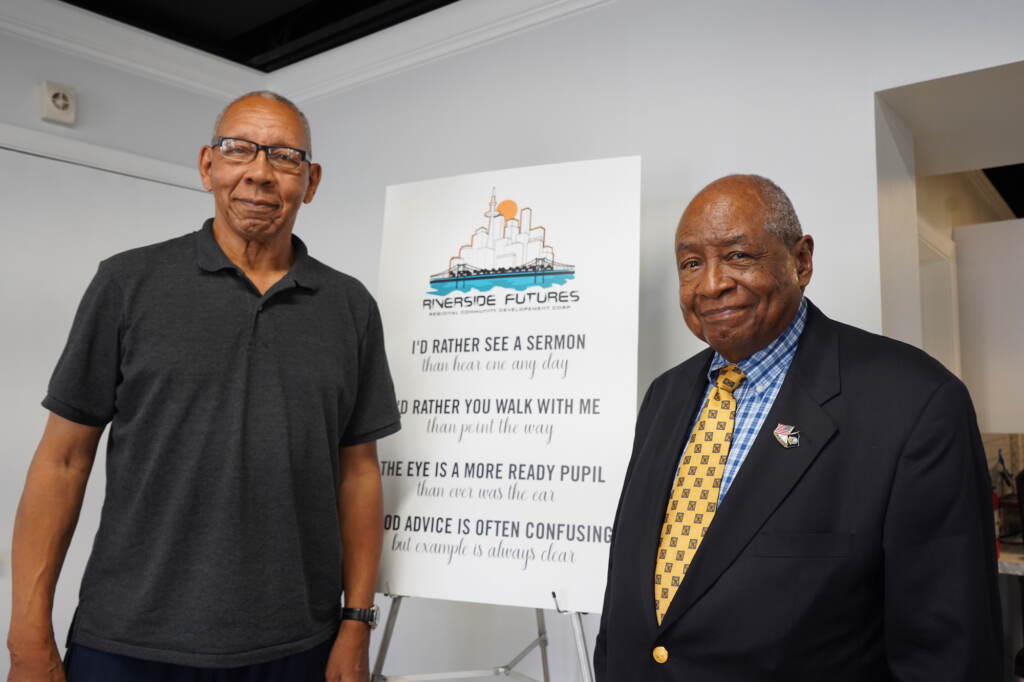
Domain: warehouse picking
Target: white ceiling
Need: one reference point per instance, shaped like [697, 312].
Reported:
[964, 122]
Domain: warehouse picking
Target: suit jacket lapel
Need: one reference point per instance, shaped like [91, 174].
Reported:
[770, 470]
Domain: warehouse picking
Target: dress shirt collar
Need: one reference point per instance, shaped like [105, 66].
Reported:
[765, 365]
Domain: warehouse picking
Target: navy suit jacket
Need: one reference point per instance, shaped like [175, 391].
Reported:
[865, 554]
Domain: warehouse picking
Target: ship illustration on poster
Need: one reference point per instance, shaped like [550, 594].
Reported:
[507, 252]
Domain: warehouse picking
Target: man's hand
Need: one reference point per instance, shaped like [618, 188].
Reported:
[350, 656]
[39, 665]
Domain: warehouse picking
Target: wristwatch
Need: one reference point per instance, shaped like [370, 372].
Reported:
[368, 616]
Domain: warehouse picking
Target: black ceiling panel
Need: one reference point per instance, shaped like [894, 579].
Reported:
[262, 34]
[1009, 181]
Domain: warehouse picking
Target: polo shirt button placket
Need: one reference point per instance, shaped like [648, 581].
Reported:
[255, 320]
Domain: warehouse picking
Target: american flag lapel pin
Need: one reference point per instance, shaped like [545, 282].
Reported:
[788, 436]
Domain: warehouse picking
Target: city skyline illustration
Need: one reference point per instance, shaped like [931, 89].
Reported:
[507, 251]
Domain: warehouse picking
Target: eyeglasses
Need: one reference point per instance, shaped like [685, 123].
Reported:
[243, 151]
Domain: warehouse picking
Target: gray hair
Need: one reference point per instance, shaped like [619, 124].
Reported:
[780, 219]
[273, 96]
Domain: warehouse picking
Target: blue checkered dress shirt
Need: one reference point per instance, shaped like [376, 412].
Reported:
[765, 370]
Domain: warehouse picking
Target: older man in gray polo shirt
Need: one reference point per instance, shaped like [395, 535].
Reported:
[245, 384]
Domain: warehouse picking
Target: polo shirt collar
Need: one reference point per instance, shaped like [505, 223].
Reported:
[211, 258]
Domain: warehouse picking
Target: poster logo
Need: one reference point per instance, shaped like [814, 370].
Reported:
[507, 252]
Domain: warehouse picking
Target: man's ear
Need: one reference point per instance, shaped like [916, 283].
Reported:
[315, 173]
[803, 253]
[205, 161]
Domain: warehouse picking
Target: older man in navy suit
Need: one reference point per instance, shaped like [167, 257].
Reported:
[806, 501]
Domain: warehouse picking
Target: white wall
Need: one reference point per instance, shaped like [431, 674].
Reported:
[116, 109]
[698, 89]
[964, 121]
[989, 258]
[897, 227]
[945, 202]
[940, 321]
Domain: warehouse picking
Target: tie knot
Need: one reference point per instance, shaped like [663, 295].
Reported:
[729, 378]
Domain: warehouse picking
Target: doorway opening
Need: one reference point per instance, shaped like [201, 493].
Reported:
[951, 222]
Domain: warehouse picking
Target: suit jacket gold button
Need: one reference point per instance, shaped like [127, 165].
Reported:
[660, 654]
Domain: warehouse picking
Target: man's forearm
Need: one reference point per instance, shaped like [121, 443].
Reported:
[46, 519]
[362, 522]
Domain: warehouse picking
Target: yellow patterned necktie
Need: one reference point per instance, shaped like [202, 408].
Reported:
[695, 493]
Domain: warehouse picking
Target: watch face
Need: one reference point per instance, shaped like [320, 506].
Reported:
[374, 616]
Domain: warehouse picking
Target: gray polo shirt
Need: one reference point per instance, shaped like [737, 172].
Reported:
[219, 541]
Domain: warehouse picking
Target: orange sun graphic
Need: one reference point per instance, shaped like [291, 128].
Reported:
[508, 209]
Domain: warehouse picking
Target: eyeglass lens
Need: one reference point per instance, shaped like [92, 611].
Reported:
[244, 151]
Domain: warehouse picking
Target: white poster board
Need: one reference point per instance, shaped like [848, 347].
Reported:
[509, 301]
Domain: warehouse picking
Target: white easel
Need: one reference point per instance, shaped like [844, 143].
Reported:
[506, 670]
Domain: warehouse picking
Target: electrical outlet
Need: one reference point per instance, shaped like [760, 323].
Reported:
[57, 103]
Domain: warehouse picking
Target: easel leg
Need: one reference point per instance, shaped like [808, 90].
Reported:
[385, 642]
[542, 636]
[507, 670]
[586, 668]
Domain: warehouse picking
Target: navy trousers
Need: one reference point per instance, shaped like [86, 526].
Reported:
[83, 664]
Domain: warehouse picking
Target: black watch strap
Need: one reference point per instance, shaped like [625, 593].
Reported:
[368, 616]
